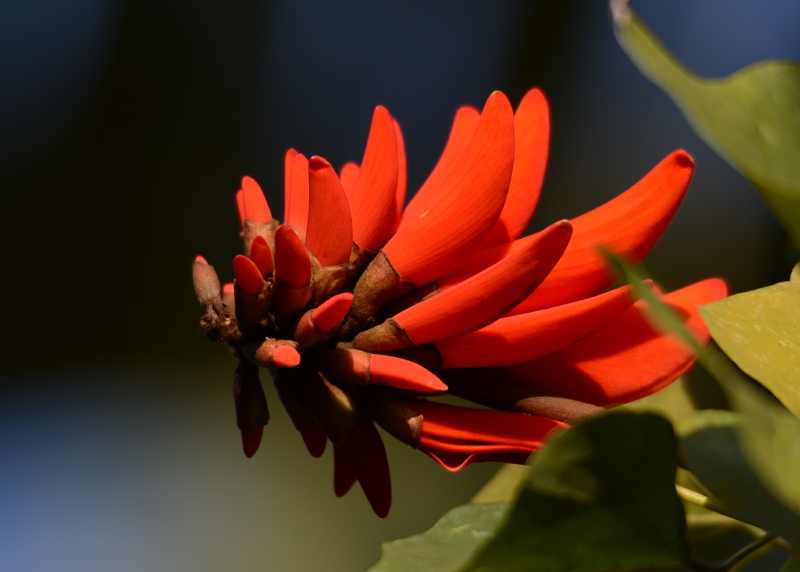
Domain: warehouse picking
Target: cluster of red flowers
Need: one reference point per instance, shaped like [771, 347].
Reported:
[363, 307]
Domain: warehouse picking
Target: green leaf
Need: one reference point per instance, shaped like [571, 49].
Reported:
[760, 332]
[752, 117]
[598, 497]
[731, 453]
[503, 486]
[718, 448]
[448, 545]
[792, 565]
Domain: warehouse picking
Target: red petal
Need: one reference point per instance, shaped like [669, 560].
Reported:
[454, 424]
[240, 208]
[454, 457]
[402, 173]
[247, 275]
[315, 440]
[531, 142]
[344, 470]
[296, 191]
[329, 315]
[524, 337]
[465, 123]
[292, 263]
[254, 204]
[623, 361]
[349, 175]
[487, 295]
[629, 225]
[329, 233]
[403, 374]
[372, 468]
[251, 440]
[261, 255]
[463, 206]
[285, 356]
[373, 199]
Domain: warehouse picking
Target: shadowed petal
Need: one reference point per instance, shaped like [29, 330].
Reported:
[372, 467]
[261, 255]
[296, 192]
[630, 225]
[531, 143]
[248, 276]
[329, 233]
[348, 176]
[329, 315]
[623, 361]
[430, 241]
[373, 199]
[524, 337]
[344, 470]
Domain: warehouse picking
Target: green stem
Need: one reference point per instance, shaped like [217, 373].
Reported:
[701, 500]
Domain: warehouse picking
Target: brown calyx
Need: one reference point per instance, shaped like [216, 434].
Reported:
[560, 408]
[398, 418]
[379, 284]
[385, 337]
[251, 229]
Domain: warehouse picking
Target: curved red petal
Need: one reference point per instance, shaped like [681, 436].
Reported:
[315, 441]
[296, 192]
[344, 470]
[523, 337]
[247, 275]
[454, 457]
[329, 232]
[465, 123]
[403, 374]
[623, 361]
[531, 145]
[373, 199]
[292, 263]
[254, 202]
[430, 241]
[486, 296]
[349, 175]
[372, 468]
[402, 173]
[261, 255]
[329, 315]
[629, 225]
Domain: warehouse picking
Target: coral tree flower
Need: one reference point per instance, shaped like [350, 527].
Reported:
[364, 307]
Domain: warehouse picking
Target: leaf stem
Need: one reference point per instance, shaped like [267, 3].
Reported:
[701, 500]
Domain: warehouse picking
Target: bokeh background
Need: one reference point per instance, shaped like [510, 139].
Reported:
[126, 125]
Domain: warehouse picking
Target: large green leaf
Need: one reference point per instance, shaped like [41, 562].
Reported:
[718, 447]
[751, 117]
[599, 497]
[448, 545]
[760, 331]
[731, 454]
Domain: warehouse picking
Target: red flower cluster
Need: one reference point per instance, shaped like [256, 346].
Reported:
[361, 305]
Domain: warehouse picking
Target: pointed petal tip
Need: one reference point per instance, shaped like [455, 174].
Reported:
[247, 275]
[251, 440]
[315, 441]
[329, 315]
[404, 374]
[316, 163]
[285, 356]
[199, 259]
[682, 158]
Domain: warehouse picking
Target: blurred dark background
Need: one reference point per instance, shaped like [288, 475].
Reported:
[126, 126]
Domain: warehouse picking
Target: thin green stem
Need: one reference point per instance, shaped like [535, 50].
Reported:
[701, 500]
